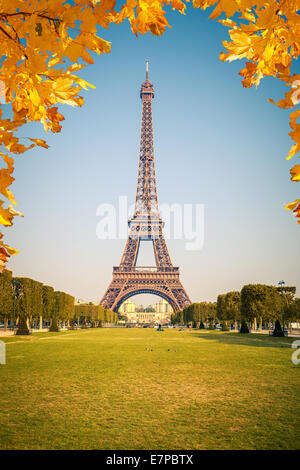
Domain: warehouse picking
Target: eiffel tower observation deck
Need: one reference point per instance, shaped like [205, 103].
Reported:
[146, 225]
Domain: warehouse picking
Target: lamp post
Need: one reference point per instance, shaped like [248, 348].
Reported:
[280, 283]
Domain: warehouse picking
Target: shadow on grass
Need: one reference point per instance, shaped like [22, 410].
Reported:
[251, 339]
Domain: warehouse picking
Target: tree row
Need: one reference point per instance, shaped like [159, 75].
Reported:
[255, 304]
[26, 303]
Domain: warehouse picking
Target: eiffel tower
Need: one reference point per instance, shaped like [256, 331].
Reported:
[146, 225]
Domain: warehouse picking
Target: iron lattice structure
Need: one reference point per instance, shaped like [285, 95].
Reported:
[146, 224]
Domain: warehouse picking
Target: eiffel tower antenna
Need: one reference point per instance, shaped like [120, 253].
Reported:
[146, 225]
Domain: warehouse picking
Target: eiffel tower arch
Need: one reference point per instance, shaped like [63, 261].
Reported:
[146, 225]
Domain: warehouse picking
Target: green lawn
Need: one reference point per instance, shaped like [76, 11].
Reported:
[102, 389]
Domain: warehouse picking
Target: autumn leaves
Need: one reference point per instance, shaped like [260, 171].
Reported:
[44, 43]
[269, 38]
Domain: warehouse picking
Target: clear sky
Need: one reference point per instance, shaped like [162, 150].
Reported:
[216, 144]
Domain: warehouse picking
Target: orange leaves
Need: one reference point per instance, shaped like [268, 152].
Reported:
[40, 143]
[268, 40]
[230, 7]
[204, 3]
[6, 215]
[295, 172]
[6, 179]
[295, 207]
[292, 97]
[151, 17]
[178, 5]
[295, 133]
[249, 72]
[52, 119]
[42, 43]
[5, 252]
[267, 34]
[94, 43]
[38, 40]
[147, 15]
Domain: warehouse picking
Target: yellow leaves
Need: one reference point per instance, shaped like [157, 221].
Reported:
[204, 3]
[294, 149]
[54, 61]
[93, 43]
[42, 47]
[178, 5]
[249, 73]
[40, 143]
[5, 252]
[147, 15]
[230, 7]
[269, 51]
[62, 91]
[10, 250]
[228, 22]
[6, 215]
[269, 39]
[6, 179]
[292, 205]
[292, 97]
[294, 134]
[34, 97]
[150, 16]
[84, 84]
[295, 207]
[295, 172]
[248, 16]
[240, 47]
[52, 119]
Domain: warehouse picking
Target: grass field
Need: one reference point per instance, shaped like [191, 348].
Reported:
[103, 389]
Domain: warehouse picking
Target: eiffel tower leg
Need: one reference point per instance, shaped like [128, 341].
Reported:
[130, 251]
[161, 252]
[112, 293]
[181, 296]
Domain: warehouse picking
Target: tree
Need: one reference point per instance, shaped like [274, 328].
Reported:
[224, 326]
[48, 302]
[244, 327]
[278, 330]
[233, 302]
[6, 295]
[42, 43]
[292, 312]
[37, 299]
[23, 302]
[221, 306]
[54, 328]
[58, 311]
[211, 308]
[64, 306]
[22, 327]
[94, 313]
[260, 301]
[195, 313]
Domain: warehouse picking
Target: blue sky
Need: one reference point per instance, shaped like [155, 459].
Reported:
[216, 143]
